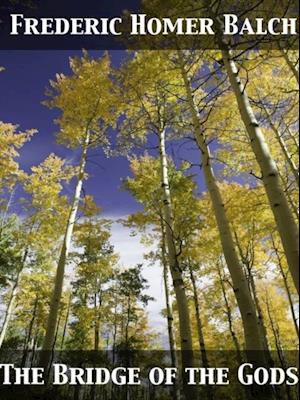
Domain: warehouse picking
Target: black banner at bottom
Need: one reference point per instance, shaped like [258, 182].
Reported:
[145, 375]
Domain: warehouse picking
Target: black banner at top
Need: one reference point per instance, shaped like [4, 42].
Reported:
[151, 24]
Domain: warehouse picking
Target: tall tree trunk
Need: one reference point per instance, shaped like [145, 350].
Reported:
[9, 309]
[12, 298]
[97, 306]
[285, 221]
[176, 272]
[229, 316]
[202, 347]
[66, 324]
[204, 358]
[30, 329]
[34, 347]
[4, 213]
[96, 340]
[292, 203]
[283, 146]
[261, 318]
[115, 333]
[52, 352]
[259, 309]
[248, 262]
[278, 344]
[286, 285]
[57, 329]
[60, 273]
[245, 302]
[97, 320]
[114, 344]
[170, 319]
[128, 314]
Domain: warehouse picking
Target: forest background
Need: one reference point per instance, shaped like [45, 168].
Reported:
[203, 145]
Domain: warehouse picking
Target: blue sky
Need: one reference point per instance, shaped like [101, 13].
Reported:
[23, 87]
[22, 91]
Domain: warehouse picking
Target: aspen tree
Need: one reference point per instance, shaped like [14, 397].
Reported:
[150, 110]
[247, 308]
[147, 173]
[284, 276]
[82, 98]
[285, 151]
[170, 318]
[40, 230]
[202, 347]
[94, 259]
[198, 318]
[11, 304]
[229, 312]
[283, 215]
[176, 271]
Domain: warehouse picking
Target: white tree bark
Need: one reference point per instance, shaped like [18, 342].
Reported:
[11, 303]
[229, 314]
[176, 272]
[170, 318]
[202, 347]
[284, 148]
[286, 285]
[10, 308]
[60, 272]
[286, 225]
[245, 302]
[198, 319]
